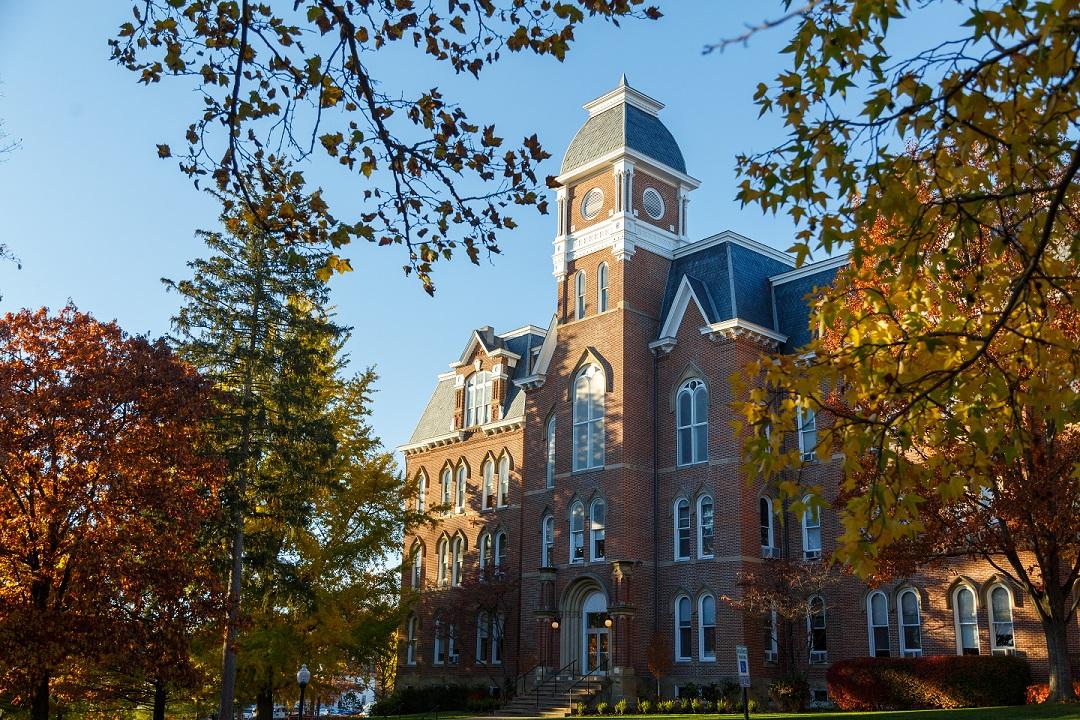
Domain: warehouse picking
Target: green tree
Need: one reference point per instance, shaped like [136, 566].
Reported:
[293, 80]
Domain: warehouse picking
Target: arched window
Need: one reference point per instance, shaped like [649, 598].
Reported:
[478, 399]
[504, 481]
[1002, 641]
[692, 419]
[501, 548]
[811, 530]
[579, 287]
[877, 621]
[487, 554]
[602, 288]
[483, 636]
[597, 523]
[910, 624]
[445, 492]
[458, 552]
[451, 643]
[589, 419]
[707, 627]
[765, 512]
[772, 643]
[815, 625]
[682, 628]
[807, 420]
[547, 542]
[497, 625]
[442, 553]
[410, 641]
[416, 562]
[440, 641]
[577, 533]
[550, 436]
[489, 485]
[705, 527]
[967, 621]
[421, 492]
[459, 489]
[682, 529]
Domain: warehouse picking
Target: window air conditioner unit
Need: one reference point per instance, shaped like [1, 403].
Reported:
[770, 656]
[819, 657]
[811, 554]
[770, 552]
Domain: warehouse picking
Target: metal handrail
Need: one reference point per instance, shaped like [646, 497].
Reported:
[554, 678]
[587, 679]
[524, 676]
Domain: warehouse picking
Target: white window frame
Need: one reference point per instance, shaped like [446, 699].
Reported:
[440, 640]
[692, 426]
[446, 488]
[547, 540]
[577, 535]
[660, 197]
[550, 468]
[597, 530]
[767, 551]
[478, 387]
[460, 484]
[817, 656]
[457, 560]
[442, 556]
[483, 632]
[421, 492]
[451, 644]
[811, 511]
[807, 421]
[704, 629]
[872, 626]
[502, 547]
[602, 288]
[590, 380]
[488, 492]
[498, 624]
[410, 640]
[958, 624]
[579, 295]
[485, 547]
[680, 504]
[772, 648]
[416, 565]
[996, 649]
[702, 525]
[905, 651]
[682, 654]
[504, 481]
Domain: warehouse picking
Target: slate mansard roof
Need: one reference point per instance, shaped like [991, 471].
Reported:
[623, 126]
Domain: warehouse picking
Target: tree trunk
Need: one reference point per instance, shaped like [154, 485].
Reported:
[264, 704]
[39, 701]
[232, 621]
[160, 697]
[1057, 650]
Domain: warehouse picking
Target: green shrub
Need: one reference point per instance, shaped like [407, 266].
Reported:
[708, 706]
[667, 707]
[581, 709]
[723, 705]
[621, 707]
[753, 705]
[644, 707]
[695, 705]
[790, 695]
[949, 681]
[602, 708]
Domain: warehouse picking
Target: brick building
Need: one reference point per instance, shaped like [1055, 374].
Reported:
[595, 499]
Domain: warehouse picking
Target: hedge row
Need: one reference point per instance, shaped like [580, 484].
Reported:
[930, 682]
[406, 701]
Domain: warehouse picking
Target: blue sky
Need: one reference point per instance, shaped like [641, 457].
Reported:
[96, 218]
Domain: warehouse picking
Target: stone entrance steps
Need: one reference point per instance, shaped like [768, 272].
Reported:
[554, 701]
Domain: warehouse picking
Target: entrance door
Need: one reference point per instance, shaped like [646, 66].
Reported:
[596, 643]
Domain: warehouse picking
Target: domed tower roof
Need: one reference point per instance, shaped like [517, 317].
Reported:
[622, 118]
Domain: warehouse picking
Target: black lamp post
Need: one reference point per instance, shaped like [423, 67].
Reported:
[303, 677]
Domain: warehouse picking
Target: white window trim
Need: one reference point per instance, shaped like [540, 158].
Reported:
[702, 629]
[446, 488]
[994, 649]
[593, 530]
[595, 426]
[695, 423]
[547, 541]
[808, 553]
[457, 560]
[550, 467]
[503, 488]
[574, 533]
[675, 526]
[956, 618]
[485, 556]
[580, 306]
[870, 622]
[478, 397]
[442, 555]
[768, 550]
[817, 657]
[410, 641]
[904, 650]
[488, 481]
[660, 197]
[807, 454]
[602, 287]
[772, 652]
[438, 642]
[701, 554]
[461, 483]
[497, 627]
[421, 492]
[500, 548]
[483, 633]
[416, 566]
[683, 654]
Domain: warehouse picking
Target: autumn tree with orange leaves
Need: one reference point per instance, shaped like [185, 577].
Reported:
[103, 496]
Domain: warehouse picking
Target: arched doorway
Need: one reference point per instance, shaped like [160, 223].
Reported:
[596, 642]
[585, 640]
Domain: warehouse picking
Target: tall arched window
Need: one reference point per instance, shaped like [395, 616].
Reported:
[410, 641]
[815, 625]
[602, 288]
[692, 418]
[501, 548]
[681, 517]
[765, 512]
[416, 562]
[910, 624]
[707, 628]
[807, 420]
[705, 526]
[457, 550]
[547, 542]
[478, 399]
[504, 481]
[550, 437]
[489, 485]
[579, 287]
[487, 554]
[589, 419]
[497, 624]
[1002, 641]
[811, 530]
[877, 621]
[682, 628]
[967, 621]
[421, 492]
[459, 489]
[440, 641]
[577, 533]
[442, 554]
[483, 633]
[597, 529]
[445, 491]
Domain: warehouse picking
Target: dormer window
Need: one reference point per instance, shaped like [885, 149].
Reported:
[478, 399]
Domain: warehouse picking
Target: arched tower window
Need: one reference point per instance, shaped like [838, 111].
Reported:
[577, 533]
[459, 489]
[421, 492]
[692, 410]
[445, 491]
[410, 641]
[765, 511]
[489, 485]
[579, 295]
[705, 526]
[588, 399]
[478, 399]
[682, 529]
[597, 521]
[457, 550]
[416, 566]
[602, 287]
[501, 548]
[547, 542]
[811, 530]
[550, 469]
[442, 554]
[504, 481]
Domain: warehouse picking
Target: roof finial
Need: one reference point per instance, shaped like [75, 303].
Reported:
[622, 81]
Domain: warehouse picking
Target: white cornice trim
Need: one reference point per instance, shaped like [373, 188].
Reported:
[737, 328]
[439, 441]
[679, 305]
[811, 269]
[530, 382]
[446, 376]
[523, 330]
[515, 423]
[734, 237]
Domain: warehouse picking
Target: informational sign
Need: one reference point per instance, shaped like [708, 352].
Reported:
[742, 659]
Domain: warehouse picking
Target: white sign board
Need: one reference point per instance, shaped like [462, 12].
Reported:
[742, 659]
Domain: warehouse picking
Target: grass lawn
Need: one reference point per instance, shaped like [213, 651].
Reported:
[1022, 712]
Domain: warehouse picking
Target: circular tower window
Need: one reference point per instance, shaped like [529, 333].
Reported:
[653, 202]
[591, 203]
